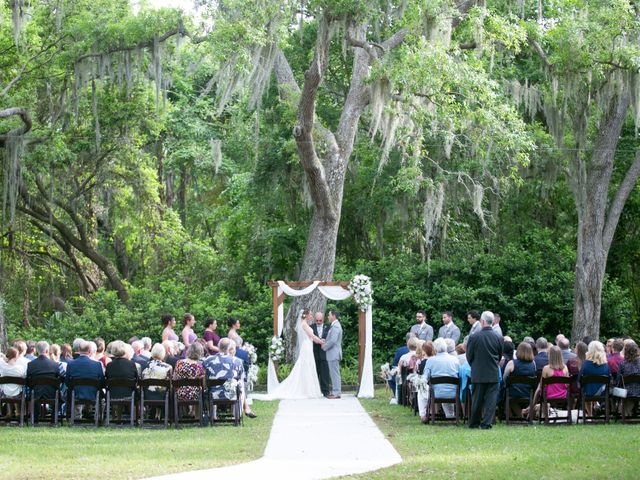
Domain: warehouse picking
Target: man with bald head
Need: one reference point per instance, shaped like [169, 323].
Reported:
[322, 367]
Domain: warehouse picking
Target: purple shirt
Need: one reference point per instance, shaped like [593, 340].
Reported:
[614, 361]
[213, 336]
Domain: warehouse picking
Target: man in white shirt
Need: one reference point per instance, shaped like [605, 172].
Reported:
[422, 329]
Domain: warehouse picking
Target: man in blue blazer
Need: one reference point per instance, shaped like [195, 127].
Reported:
[84, 367]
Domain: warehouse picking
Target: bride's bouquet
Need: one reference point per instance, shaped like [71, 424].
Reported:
[360, 287]
[276, 349]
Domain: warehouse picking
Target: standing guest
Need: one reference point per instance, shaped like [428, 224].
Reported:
[443, 365]
[84, 367]
[473, 317]
[66, 353]
[542, 357]
[522, 366]
[595, 364]
[483, 354]
[320, 330]
[211, 336]
[122, 368]
[496, 325]
[188, 335]
[157, 369]
[616, 358]
[146, 347]
[448, 328]
[422, 329]
[101, 356]
[630, 366]
[234, 326]
[191, 368]
[168, 322]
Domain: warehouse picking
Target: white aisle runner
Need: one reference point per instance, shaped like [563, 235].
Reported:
[313, 439]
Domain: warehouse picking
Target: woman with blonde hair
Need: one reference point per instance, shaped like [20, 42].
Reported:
[594, 364]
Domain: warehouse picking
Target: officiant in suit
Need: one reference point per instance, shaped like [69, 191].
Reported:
[320, 329]
[333, 349]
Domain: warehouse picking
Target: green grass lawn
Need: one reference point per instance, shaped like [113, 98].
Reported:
[592, 451]
[120, 453]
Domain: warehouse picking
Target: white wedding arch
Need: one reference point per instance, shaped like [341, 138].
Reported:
[332, 291]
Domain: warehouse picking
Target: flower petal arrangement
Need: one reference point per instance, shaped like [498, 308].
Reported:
[360, 288]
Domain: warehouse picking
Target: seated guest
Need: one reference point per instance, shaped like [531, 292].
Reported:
[451, 347]
[156, 369]
[138, 358]
[423, 394]
[574, 365]
[417, 357]
[522, 366]
[146, 347]
[412, 343]
[12, 368]
[630, 366]
[461, 352]
[100, 355]
[84, 367]
[427, 352]
[21, 346]
[224, 365]
[77, 343]
[400, 351]
[66, 353]
[595, 364]
[508, 349]
[122, 368]
[54, 354]
[43, 367]
[31, 350]
[189, 368]
[211, 336]
[555, 368]
[616, 358]
[542, 357]
[171, 353]
[563, 343]
[443, 365]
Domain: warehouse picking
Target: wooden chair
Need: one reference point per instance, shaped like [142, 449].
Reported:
[404, 396]
[603, 397]
[187, 382]
[433, 401]
[10, 401]
[41, 402]
[555, 402]
[95, 402]
[235, 406]
[155, 403]
[629, 379]
[519, 380]
[127, 401]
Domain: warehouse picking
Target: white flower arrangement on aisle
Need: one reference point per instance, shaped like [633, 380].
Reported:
[231, 388]
[386, 372]
[252, 376]
[251, 351]
[420, 384]
[360, 288]
[276, 349]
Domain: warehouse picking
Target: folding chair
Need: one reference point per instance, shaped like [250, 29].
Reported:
[626, 380]
[95, 402]
[155, 402]
[602, 397]
[235, 405]
[126, 401]
[565, 402]
[10, 401]
[433, 401]
[187, 382]
[508, 400]
[42, 402]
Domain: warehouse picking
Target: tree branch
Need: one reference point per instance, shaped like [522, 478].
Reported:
[541, 53]
[23, 113]
[615, 210]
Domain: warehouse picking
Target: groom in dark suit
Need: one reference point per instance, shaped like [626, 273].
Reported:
[320, 329]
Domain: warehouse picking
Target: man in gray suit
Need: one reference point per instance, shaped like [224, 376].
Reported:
[422, 329]
[473, 317]
[448, 328]
[333, 351]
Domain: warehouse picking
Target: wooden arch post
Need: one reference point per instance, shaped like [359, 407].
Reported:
[279, 299]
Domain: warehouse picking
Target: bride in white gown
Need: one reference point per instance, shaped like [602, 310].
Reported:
[302, 382]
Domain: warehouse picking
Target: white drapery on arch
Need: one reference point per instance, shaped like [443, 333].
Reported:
[332, 292]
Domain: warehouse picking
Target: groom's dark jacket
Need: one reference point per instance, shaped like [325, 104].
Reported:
[318, 353]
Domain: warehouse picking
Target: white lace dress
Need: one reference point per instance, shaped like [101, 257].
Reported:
[302, 382]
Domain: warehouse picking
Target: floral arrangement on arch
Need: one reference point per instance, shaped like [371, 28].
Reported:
[360, 288]
[276, 349]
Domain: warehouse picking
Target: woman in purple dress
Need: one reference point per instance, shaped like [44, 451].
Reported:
[169, 321]
[211, 336]
[188, 335]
